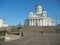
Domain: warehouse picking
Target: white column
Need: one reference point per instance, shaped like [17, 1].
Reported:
[32, 22]
[39, 22]
[29, 22]
[36, 22]
[42, 22]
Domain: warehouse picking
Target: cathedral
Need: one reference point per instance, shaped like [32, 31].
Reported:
[39, 18]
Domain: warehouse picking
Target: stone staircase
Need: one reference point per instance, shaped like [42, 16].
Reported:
[46, 29]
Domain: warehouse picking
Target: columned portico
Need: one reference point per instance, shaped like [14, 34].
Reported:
[35, 22]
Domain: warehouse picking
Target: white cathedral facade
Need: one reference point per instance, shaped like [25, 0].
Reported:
[39, 18]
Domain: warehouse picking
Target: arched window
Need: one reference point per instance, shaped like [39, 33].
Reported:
[52, 22]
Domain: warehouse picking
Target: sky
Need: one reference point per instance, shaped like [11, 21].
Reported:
[14, 12]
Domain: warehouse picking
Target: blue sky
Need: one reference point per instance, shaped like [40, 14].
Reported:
[16, 11]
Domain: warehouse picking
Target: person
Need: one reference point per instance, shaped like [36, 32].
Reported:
[22, 34]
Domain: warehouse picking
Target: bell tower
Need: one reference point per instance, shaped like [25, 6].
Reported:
[44, 13]
[38, 9]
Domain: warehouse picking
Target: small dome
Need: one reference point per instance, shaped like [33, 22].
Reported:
[38, 4]
[52, 18]
[31, 13]
[44, 10]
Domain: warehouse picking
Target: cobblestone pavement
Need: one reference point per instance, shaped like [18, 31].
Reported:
[36, 39]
